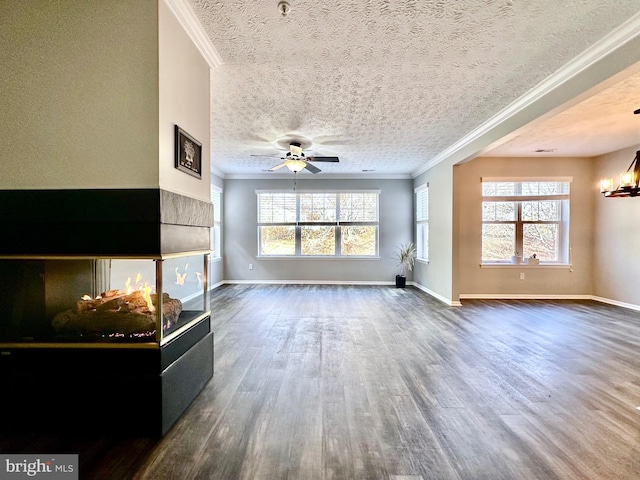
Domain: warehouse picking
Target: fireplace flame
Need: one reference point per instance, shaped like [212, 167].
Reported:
[146, 294]
[181, 276]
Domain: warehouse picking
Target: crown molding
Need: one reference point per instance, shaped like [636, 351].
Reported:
[603, 48]
[218, 173]
[192, 26]
[327, 176]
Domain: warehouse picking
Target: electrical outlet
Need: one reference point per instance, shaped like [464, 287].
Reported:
[251, 266]
[521, 275]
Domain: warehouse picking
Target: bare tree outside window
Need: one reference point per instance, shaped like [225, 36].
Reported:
[318, 223]
[525, 217]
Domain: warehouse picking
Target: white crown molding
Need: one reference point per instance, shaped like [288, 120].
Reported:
[218, 173]
[187, 18]
[305, 176]
[615, 39]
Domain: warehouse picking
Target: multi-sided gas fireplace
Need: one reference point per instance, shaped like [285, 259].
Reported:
[104, 310]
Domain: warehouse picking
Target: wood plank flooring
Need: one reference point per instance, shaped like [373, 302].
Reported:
[363, 382]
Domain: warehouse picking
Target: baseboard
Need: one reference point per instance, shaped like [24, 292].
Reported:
[437, 296]
[446, 301]
[307, 282]
[216, 285]
[514, 296]
[609, 301]
[521, 296]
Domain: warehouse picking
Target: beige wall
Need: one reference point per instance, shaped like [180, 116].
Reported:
[184, 100]
[475, 280]
[616, 256]
[437, 276]
[79, 95]
[91, 92]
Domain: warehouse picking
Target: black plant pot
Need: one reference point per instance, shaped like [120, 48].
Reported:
[401, 281]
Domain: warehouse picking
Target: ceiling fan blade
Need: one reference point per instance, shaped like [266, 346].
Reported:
[267, 156]
[323, 159]
[312, 168]
[273, 169]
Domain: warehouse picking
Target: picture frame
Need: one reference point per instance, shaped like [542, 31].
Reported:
[188, 153]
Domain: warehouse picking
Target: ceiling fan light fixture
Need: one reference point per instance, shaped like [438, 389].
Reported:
[295, 165]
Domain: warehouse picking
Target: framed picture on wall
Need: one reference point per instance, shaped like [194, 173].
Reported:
[188, 153]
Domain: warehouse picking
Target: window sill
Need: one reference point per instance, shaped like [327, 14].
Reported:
[312, 257]
[526, 265]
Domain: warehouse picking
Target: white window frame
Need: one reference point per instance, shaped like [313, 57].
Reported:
[216, 231]
[338, 224]
[563, 224]
[422, 222]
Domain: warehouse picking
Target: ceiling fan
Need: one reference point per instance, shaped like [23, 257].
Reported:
[295, 160]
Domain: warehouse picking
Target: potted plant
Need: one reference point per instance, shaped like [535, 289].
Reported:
[406, 258]
[516, 258]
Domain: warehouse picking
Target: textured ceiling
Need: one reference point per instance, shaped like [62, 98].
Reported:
[600, 124]
[385, 85]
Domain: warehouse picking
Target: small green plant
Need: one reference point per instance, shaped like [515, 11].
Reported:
[406, 257]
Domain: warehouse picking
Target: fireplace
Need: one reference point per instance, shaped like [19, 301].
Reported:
[103, 303]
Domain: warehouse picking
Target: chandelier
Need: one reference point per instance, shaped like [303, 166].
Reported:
[628, 186]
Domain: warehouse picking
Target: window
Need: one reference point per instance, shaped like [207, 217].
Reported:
[422, 222]
[525, 217]
[216, 232]
[338, 224]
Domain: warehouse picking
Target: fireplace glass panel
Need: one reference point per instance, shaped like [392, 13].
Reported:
[101, 300]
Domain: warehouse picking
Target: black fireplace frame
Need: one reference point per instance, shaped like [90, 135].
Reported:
[137, 389]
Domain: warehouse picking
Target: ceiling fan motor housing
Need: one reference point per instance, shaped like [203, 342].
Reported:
[296, 149]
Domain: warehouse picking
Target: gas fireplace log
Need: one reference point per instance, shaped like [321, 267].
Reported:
[117, 313]
[104, 322]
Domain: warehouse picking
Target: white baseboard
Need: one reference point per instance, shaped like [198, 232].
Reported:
[437, 296]
[216, 285]
[514, 296]
[446, 301]
[307, 282]
[521, 296]
[630, 306]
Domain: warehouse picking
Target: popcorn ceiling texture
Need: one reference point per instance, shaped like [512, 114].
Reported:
[385, 85]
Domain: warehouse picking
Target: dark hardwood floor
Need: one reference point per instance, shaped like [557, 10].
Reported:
[362, 382]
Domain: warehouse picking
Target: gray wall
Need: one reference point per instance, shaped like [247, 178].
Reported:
[184, 101]
[241, 242]
[616, 230]
[437, 276]
[216, 266]
[79, 95]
